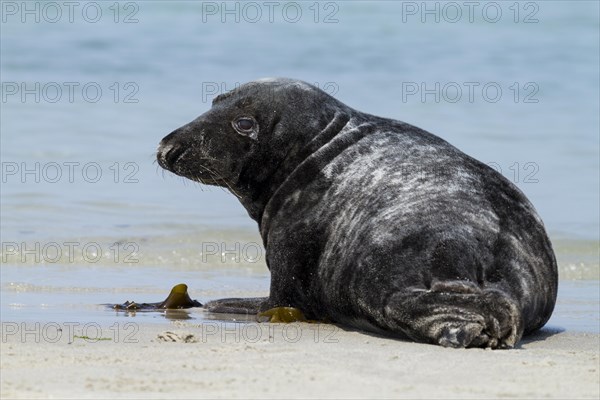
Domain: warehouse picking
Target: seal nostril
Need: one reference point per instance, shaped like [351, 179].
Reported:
[161, 154]
[173, 155]
[169, 155]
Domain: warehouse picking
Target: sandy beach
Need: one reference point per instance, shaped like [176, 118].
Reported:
[250, 360]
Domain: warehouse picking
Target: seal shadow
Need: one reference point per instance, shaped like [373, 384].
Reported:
[539, 336]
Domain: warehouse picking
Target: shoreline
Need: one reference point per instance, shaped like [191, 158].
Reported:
[218, 359]
[188, 354]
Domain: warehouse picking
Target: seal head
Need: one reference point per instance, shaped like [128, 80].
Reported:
[248, 136]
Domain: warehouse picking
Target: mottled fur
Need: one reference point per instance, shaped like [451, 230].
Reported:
[370, 222]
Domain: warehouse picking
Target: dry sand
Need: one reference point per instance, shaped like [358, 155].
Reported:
[250, 360]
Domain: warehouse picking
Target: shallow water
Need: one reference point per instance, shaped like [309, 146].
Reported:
[78, 172]
[82, 295]
[214, 264]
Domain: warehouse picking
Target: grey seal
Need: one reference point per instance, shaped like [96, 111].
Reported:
[372, 223]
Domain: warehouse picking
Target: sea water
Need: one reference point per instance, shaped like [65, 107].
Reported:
[90, 88]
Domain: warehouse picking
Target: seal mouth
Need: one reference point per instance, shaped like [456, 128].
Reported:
[169, 157]
[209, 177]
[212, 181]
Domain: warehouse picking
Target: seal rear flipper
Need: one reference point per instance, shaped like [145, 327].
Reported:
[237, 305]
[452, 315]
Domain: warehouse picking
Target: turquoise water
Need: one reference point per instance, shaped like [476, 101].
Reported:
[86, 98]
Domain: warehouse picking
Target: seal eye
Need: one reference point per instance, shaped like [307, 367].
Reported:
[244, 124]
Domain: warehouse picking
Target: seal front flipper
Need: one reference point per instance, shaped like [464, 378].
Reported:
[453, 314]
[237, 305]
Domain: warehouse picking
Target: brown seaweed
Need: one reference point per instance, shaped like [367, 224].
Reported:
[283, 314]
[177, 299]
